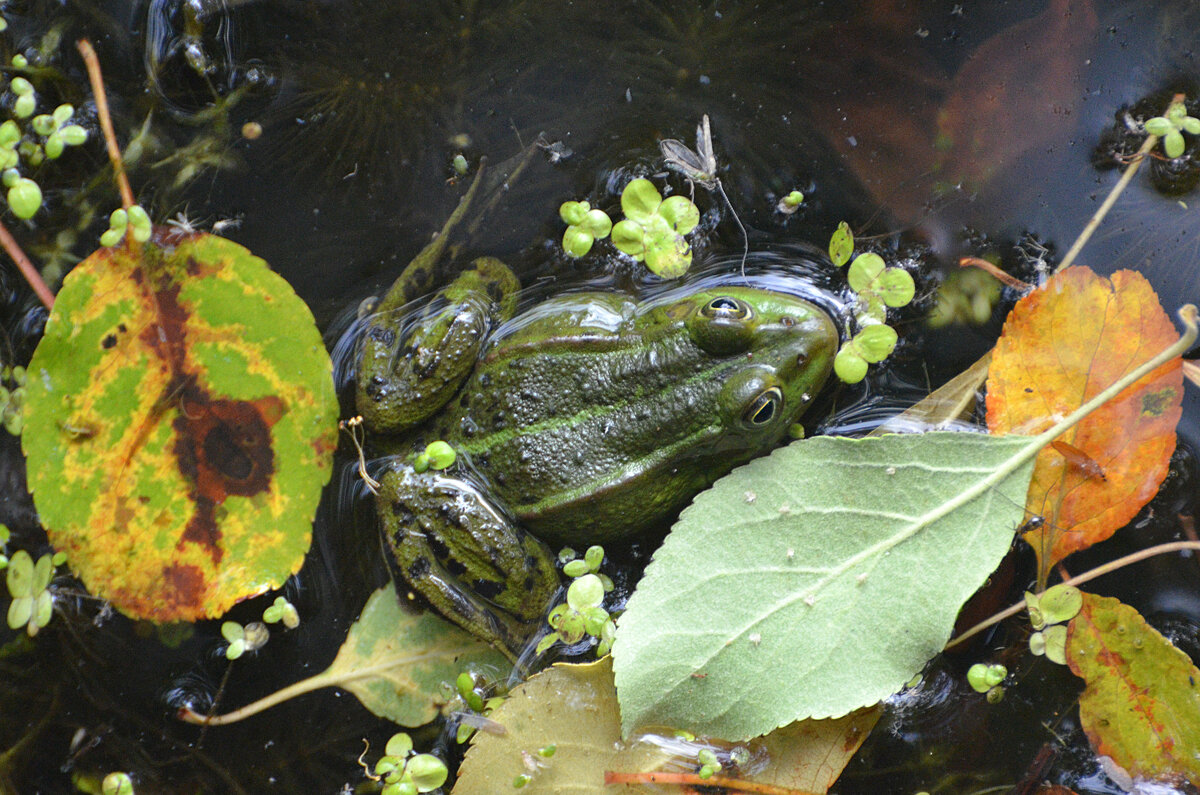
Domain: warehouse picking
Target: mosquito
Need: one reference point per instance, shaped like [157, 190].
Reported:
[699, 167]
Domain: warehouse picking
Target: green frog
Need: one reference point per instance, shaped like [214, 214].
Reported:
[588, 418]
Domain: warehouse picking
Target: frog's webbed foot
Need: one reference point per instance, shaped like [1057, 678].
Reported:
[407, 374]
[468, 560]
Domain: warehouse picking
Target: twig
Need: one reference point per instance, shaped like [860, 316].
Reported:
[110, 137]
[1107, 568]
[737, 785]
[10, 245]
[984, 265]
[1086, 235]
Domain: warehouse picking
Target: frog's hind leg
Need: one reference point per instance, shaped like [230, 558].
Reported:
[466, 558]
[406, 375]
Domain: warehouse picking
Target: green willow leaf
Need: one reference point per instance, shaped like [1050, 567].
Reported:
[815, 581]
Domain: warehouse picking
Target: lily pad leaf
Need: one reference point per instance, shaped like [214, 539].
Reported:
[816, 580]
[1062, 345]
[640, 200]
[1141, 702]
[401, 666]
[180, 424]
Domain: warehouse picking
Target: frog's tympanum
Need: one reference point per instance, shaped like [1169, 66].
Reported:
[588, 418]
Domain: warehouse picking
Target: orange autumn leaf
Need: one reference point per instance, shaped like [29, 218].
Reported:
[1062, 345]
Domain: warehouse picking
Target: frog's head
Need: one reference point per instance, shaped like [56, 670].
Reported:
[779, 349]
[694, 386]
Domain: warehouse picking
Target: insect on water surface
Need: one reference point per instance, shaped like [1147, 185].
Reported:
[699, 166]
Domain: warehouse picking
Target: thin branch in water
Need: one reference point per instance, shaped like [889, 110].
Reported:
[10, 245]
[1127, 176]
[110, 137]
[999, 275]
[1099, 571]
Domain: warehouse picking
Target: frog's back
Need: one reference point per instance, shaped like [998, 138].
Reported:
[592, 417]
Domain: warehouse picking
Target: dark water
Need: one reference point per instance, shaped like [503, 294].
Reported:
[363, 105]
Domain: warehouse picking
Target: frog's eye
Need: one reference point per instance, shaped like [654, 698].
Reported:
[764, 408]
[726, 308]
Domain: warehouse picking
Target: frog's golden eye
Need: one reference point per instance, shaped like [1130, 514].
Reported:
[726, 308]
[764, 408]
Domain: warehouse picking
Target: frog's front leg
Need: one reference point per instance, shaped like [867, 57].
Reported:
[464, 556]
[412, 366]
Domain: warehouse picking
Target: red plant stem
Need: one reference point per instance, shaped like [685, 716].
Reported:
[984, 265]
[1111, 566]
[110, 137]
[685, 779]
[9, 243]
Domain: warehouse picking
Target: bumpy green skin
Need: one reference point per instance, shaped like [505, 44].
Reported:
[587, 419]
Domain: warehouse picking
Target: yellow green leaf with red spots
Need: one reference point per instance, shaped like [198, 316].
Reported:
[180, 424]
[1141, 703]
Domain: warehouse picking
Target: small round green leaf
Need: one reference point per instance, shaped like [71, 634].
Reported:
[1191, 125]
[849, 366]
[680, 213]
[232, 631]
[895, 286]
[43, 124]
[864, 271]
[573, 213]
[117, 784]
[20, 574]
[1159, 125]
[43, 609]
[870, 308]
[628, 236]
[668, 254]
[577, 241]
[400, 744]
[43, 572]
[24, 198]
[441, 454]
[594, 557]
[24, 106]
[977, 677]
[1056, 643]
[1173, 143]
[597, 224]
[874, 343]
[20, 610]
[586, 591]
[10, 134]
[841, 244]
[73, 135]
[1060, 604]
[427, 772]
[640, 200]
[576, 568]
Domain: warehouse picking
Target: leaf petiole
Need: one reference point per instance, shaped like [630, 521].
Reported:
[1079, 579]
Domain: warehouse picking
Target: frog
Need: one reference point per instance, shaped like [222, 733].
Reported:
[587, 418]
